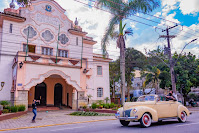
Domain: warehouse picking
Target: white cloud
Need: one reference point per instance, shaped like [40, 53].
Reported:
[4, 4]
[91, 20]
[158, 14]
[189, 6]
[133, 25]
[169, 2]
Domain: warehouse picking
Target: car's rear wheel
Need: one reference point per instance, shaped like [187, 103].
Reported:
[182, 117]
[124, 123]
[145, 121]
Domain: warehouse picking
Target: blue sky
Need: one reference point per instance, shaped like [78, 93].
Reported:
[183, 12]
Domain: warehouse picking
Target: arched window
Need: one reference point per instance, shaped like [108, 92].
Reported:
[99, 92]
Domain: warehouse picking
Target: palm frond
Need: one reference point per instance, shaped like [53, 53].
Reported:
[128, 31]
[108, 33]
[111, 5]
[143, 5]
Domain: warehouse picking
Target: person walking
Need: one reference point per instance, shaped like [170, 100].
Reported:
[34, 110]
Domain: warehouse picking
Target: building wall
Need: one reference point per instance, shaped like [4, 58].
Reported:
[9, 49]
[101, 81]
[13, 42]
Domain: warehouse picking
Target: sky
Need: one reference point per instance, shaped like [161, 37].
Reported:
[144, 38]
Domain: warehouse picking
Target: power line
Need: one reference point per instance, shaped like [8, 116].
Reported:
[149, 14]
[142, 17]
[128, 18]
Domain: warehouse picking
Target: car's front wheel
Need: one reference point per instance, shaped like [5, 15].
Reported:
[182, 117]
[124, 123]
[145, 121]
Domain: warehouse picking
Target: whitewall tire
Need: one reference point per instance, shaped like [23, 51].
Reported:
[183, 117]
[145, 121]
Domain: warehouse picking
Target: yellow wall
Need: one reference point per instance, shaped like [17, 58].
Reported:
[50, 84]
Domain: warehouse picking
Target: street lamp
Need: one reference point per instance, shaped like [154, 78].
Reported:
[20, 64]
[183, 49]
[2, 85]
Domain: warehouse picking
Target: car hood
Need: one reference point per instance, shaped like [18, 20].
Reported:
[129, 105]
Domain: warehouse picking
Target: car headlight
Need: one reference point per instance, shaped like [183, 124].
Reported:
[134, 111]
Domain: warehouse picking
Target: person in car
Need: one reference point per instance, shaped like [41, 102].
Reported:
[170, 96]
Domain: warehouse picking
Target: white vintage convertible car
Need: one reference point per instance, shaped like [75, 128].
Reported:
[151, 107]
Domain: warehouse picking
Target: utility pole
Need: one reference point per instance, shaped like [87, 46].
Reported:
[170, 57]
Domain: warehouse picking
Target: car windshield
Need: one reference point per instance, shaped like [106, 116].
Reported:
[146, 98]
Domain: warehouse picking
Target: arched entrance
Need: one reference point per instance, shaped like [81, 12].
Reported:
[58, 95]
[40, 93]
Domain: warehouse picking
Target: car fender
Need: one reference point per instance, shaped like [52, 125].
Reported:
[143, 109]
[120, 111]
[182, 108]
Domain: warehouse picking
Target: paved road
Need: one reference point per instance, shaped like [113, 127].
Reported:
[113, 126]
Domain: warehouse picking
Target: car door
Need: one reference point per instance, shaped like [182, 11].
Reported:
[173, 109]
[163, 109]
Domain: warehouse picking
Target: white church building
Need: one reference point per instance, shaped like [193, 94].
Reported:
[47, 57]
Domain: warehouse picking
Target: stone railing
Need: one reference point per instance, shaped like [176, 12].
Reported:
[48, 60]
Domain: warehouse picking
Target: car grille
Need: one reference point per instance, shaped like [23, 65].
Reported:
[127, 113]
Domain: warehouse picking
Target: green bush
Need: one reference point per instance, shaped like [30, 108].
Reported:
[14, 109]
[21, 108]
[84, 107]
[7, 107]
[106, 106]
[103, 105]
[94, 106]
[89, 114]
[112, 105]
[4, 103]
[5, 111]
[100, 102]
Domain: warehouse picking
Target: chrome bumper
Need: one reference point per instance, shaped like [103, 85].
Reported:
[125, 118]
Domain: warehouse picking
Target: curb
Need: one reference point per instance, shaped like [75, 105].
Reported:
[55, 125]
[12, 115]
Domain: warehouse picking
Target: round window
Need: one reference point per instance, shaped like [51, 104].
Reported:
[63, 39]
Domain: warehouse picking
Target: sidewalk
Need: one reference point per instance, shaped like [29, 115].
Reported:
[48, 118]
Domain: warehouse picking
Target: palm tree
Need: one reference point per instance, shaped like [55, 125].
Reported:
[122, 10]
[89, 97]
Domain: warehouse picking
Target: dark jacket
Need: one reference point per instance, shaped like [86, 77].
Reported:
[34, 106]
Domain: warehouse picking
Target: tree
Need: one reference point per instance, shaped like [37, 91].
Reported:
[152, 77]
[114, 75]
[165, 79]
[120, 11]
[134, 58]
[186, 73]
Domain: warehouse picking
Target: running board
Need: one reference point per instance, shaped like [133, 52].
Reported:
[167, 118]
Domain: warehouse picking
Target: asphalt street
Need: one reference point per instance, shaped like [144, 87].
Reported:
[113, 126]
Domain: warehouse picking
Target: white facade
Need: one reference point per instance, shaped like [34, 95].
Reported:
[79, 69]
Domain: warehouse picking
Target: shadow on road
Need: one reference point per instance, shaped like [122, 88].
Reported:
[154, 124]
